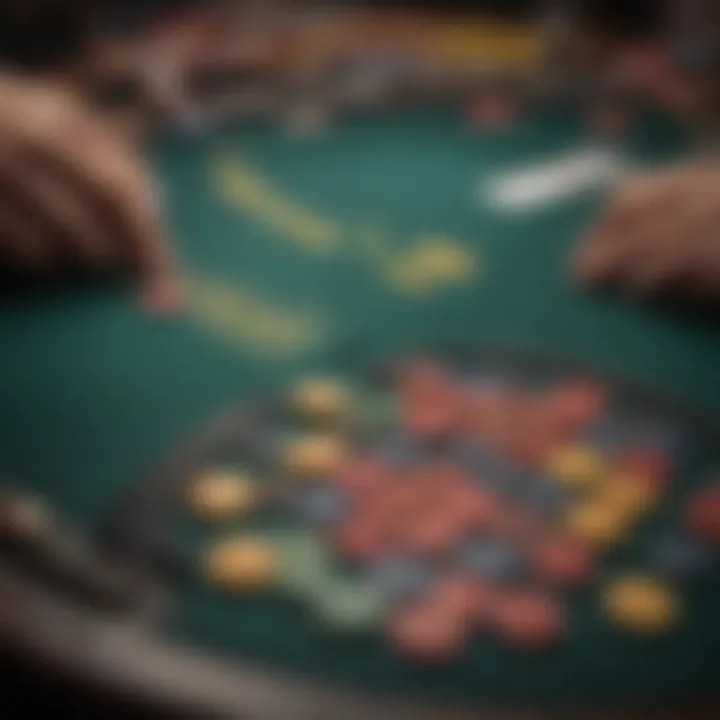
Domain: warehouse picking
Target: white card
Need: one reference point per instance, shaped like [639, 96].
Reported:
[531, 187]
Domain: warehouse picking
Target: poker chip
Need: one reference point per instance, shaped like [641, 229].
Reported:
[628, 494]
[314, 456]
[399, 450]
[546, 500]
[243, 564]
[351, 607]
[221, 494]
[430, 535]
[563, 560]
[702, 514]
[425, 632]
[577, 403]
[575, 465]
[321, 399]
[429, 417]
[303, 561]
[491, 559]
[456, 595]
[475, 508]
[648, 466]
[530, 620]
[321, 505]
[401, 579]
[597, 523]
[641, 604]
[681, 557]
[360, 475]
[361, 539]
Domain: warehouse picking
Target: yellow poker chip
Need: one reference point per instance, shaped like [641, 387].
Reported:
[222, 494]
[576, 464]
[598, 523]
[321, 399]
[314, 456]
[627, 494]
[642, 604]
[243, 564]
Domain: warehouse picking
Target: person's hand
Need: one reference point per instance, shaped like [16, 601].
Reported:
[72, 194]
[660, 233]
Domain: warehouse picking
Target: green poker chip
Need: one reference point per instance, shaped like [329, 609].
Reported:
[304, 562]
[351, 607]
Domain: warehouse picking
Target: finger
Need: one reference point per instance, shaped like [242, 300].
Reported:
[673, 248]
[627, 226]
[62, 209]
[21, 240]
[91, 158]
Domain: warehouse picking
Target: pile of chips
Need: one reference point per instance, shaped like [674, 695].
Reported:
[443, 503]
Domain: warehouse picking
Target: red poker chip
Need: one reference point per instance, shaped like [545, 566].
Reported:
[579, 402]
[538, 432]
[649, 466]
[457, 595]
[702, 515]
[360, 475]
[431, 533]
[427, 632]
[474, 508]
[361, 540]
[422, 378]
[563, 561]
[486, 602]
[430, 417]
[530, 621]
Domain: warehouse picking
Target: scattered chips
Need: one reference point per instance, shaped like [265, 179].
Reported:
[445, 501]
[642, 604]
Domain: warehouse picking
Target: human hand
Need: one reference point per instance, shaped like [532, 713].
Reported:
[660, 233]
[71, 193]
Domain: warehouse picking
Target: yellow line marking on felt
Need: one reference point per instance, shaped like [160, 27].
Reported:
[243, 186]
[428, 263]
[245, 319]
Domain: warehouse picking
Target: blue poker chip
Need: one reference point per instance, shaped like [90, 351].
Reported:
[484, 464]
[401, 579]
[491, 558]
[546, 499]
[321, 505]
[682, 557]
[399, 450]
[607, 434]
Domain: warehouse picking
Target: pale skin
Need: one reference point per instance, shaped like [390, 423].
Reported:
[660, 234]
[71, 190]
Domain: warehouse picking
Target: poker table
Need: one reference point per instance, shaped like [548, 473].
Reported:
[322, 253]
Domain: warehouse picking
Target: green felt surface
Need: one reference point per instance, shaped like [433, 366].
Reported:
[93, 394]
